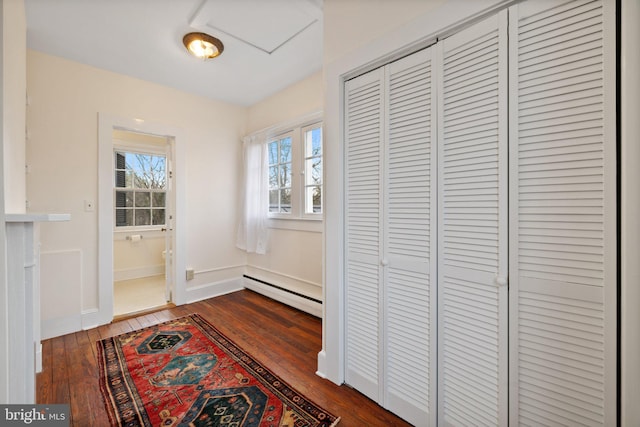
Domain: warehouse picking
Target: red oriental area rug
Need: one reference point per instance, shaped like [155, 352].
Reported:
[186, 373]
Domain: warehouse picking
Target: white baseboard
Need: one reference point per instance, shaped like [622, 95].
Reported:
[215, 289]
[293, 300]
[322, 364]
[61, 326]
[90, 319]
[137, 273]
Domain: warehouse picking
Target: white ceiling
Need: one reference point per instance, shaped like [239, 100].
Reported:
[268, 44]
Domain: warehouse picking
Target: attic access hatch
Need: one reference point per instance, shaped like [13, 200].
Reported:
[263, 25]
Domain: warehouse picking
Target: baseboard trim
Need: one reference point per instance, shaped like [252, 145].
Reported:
[322, 364]
[278, 293]
[211, 290]
[90, 318]
[52, 328]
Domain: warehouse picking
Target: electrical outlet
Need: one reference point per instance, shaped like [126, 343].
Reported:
[190, 273]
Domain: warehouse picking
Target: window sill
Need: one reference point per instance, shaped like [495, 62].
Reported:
[313, 225]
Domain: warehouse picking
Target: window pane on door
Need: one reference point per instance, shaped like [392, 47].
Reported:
[158, 217]
[143, 216]
[145, 177]
[158, 200]
[124, 217]
[143, 199]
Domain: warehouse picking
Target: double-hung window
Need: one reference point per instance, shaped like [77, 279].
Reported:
[295, 173]
[312, 136]
[140, 189]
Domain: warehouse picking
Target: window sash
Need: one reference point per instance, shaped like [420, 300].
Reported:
[313, 197]
[137, 206]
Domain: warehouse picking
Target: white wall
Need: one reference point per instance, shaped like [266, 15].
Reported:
[14, 98]
[630, 206]
[62, 154]
[294, 257]
[354, 23]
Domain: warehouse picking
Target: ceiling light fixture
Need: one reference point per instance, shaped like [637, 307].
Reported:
[202, 45]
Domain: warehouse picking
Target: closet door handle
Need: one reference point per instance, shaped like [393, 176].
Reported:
[501, 281]
[384, 262]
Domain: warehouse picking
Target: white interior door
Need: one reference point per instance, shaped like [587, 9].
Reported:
[364, 99]
[473, 226]
[169, 267]
[409, 240]
[563, 294]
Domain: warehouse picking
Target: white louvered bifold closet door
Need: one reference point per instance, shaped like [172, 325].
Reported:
[473, 226]
[563, 269]
[409, 250]
[390, 211]
[364, 127]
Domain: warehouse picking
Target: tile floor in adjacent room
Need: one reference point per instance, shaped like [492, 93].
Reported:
[130, 296]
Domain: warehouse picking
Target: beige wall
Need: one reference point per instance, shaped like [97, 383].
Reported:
[298, 100]
[133, 260]
[294, 257]
[350, 24]
[63, 154]
[12, 53]
[14, 97]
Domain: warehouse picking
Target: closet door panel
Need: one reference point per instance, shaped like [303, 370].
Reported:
[364, 99]
[409, 240]
[563, 215]
[473, 210]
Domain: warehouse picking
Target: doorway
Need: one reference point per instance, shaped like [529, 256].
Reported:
[143, 213]
[110, 129]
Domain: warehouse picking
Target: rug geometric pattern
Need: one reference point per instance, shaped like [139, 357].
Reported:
[184, 372]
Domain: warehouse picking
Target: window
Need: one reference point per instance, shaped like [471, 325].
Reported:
[313, 170]
[140, 189]
[295, 173]
[280, 175]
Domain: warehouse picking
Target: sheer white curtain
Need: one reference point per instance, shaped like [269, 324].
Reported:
[252, 229]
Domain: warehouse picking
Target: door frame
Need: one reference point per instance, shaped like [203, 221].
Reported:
[106, 125]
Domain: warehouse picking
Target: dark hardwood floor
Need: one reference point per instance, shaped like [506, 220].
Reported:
[285, 340]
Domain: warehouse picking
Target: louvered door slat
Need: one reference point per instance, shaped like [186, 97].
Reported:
[363, 140]
[561, 282]
[409, 203]
[472, 239]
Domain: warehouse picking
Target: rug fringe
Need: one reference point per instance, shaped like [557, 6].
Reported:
[335, 423]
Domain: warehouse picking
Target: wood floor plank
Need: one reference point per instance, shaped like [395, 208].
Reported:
[59, 375]
[285, 340]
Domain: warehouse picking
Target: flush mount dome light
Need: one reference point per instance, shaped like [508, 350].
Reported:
[203, 45]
